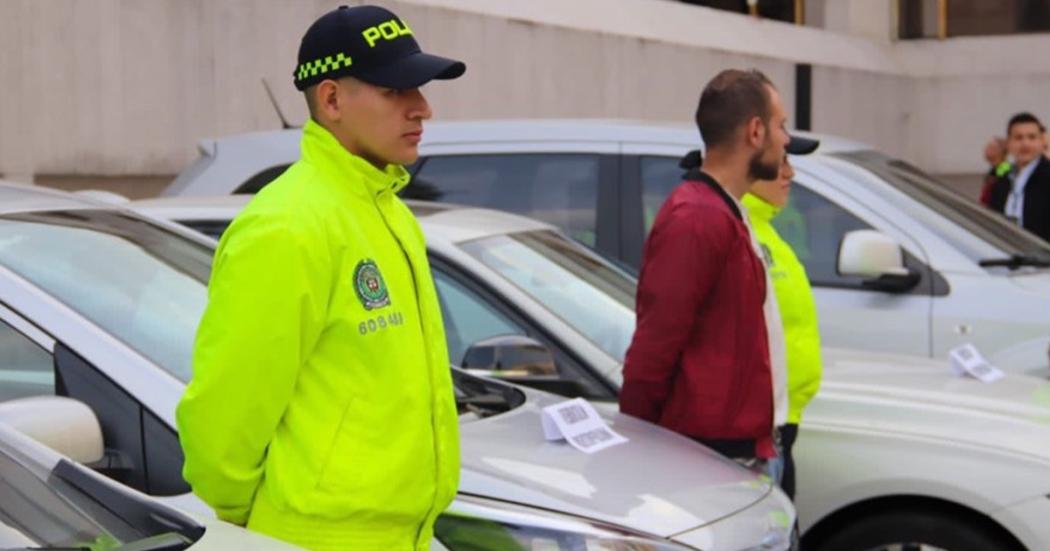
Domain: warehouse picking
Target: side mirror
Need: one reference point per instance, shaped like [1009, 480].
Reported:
[62, 424]
[876, 257]
[510, 357]
[519, 360]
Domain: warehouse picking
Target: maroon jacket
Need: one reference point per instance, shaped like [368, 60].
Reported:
[699, 361]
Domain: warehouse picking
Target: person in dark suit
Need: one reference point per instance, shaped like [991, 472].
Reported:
[1023, 194]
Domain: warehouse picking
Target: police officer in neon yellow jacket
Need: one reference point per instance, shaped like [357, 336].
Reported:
[794, 297]
[321, 409]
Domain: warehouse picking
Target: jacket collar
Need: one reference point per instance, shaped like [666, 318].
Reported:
[758, 209]
[319, 147]
[697, 175]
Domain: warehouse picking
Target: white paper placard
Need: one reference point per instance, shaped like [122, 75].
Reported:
[966, 360]
[577, 422]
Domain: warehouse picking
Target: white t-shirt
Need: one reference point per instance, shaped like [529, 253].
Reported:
[1014, 208]
[774, 330]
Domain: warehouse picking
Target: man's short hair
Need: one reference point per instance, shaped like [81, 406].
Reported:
[729, 101]
[311, 101]
[310, 93]
[1023, 118]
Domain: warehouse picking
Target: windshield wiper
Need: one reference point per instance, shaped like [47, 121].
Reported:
[484, 405]
[1015, 261]
[484, 397]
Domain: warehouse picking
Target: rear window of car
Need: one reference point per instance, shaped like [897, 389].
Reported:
[560, 189]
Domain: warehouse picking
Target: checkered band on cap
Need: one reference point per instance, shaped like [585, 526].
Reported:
[322, 66]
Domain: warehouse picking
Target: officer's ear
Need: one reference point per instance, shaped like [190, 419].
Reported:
[755, 132]
[333, 97]
[326, 104]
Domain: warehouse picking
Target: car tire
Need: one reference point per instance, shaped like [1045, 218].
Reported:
[914, 531]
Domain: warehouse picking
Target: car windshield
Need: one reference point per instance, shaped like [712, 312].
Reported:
[62, 505]
[34, 514]
[569, 280]
[139, 282]
[972, 229]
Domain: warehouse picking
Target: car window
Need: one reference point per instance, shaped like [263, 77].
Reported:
[810, 223]
[38, 513]
[814, 227]
[573, 283]
[660, 175]
[974, 230]
[139, 282]
[26, 369]
[255, 183]
[53, 503]
[472, 314]
[141, 450]
[560, 189]
[468, 318]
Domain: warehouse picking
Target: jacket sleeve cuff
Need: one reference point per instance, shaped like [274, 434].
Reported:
[640, 403]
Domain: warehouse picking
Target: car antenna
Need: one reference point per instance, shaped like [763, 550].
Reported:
[276, 107]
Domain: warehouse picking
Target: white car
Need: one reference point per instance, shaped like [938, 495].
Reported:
[100, 305]
[894, 451]
[964, 275]
[48, 501]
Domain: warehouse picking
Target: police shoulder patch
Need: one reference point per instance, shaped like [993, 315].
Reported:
[369, 285]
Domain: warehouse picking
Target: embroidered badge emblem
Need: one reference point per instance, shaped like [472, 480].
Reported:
[370, 287]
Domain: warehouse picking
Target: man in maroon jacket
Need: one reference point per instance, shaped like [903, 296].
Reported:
[699, 363]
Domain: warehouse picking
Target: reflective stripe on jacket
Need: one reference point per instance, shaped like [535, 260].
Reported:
[798, 312]
[321, 408]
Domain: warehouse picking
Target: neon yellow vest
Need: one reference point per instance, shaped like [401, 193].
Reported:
[798, 312]
[321, 409]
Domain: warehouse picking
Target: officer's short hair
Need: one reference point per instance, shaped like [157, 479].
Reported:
[311, 101]
[1023, 118]
[729, 101]
[310, 93]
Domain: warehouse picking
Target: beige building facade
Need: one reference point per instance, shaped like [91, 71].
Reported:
[123, 89]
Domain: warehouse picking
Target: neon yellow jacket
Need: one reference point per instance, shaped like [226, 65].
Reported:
[798, 312]
[321, 409]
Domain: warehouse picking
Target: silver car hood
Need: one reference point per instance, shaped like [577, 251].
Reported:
[921, 397]
[658, 482]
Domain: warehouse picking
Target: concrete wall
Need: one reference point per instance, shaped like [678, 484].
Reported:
[875, 108]
[871, 19]
[123, 87]
[967, 88]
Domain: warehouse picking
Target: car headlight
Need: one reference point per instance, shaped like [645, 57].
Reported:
[481, 525]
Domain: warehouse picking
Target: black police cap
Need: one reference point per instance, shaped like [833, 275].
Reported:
[801, 146]
[371, 44]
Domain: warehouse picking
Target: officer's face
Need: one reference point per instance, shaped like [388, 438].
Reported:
[1025, 142]
[381, 125]
[775, 192]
